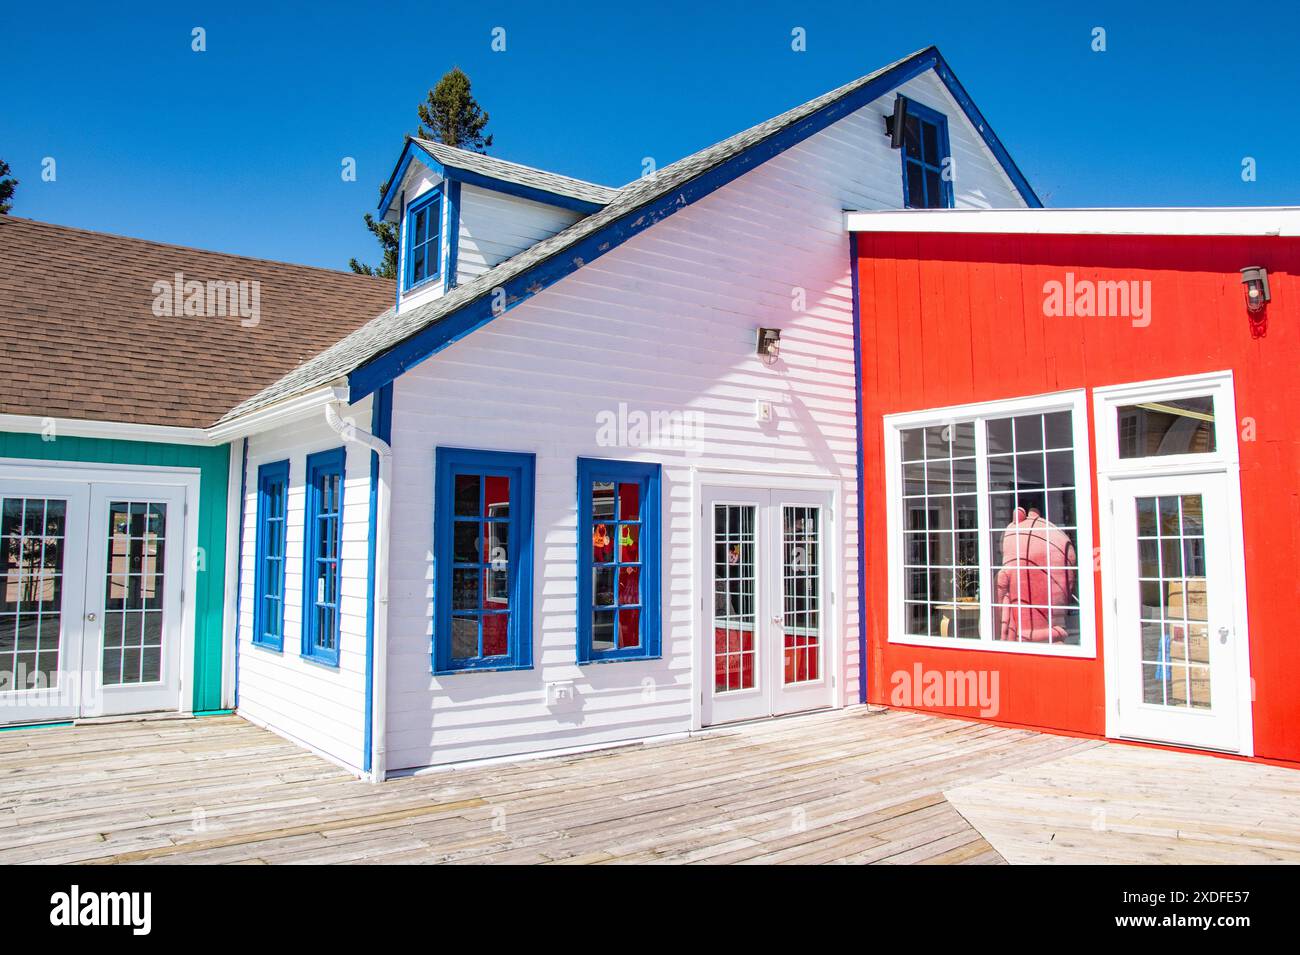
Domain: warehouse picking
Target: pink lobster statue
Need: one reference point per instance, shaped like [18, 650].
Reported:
[1038, 570]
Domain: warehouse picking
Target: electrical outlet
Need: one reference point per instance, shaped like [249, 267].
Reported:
[762, 411]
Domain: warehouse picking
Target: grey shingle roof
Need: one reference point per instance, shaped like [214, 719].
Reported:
[391, 329]
[516, 173]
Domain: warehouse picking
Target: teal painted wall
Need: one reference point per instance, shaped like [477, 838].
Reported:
[210, 581]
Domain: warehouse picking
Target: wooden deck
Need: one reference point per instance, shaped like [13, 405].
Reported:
[851, 786]
[1131, 805]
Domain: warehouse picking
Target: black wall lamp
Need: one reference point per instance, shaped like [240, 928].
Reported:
[894, 124]
[1255, 279]
[769, 345]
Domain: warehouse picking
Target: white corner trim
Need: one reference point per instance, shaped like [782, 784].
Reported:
[1253, 220]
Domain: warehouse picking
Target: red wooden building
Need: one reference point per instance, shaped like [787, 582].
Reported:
[1081, 467]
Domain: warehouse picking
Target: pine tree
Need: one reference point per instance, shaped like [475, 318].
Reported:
[449, 115]
[7, 183]
[453, 116]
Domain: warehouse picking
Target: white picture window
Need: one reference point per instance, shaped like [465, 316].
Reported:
[990, 527]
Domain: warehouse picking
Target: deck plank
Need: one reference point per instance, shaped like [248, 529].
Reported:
[857, 785]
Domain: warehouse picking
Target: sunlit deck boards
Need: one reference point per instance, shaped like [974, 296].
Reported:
[1129, 804]
[850, 786]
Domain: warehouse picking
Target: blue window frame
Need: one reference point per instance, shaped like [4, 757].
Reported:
[927, 177]
[483, 560]
[321, 551]
[423, 230]
[618, 560]
[268, 574]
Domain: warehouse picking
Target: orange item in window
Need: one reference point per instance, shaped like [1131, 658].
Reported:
[600, 543]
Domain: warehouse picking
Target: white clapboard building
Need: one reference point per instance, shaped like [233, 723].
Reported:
[593, 477]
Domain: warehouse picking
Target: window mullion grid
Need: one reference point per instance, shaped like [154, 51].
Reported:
[983, 522]
[485, 539]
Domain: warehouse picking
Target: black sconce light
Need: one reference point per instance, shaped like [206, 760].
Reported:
[1255, 279]
[894, 124]
[769, 345]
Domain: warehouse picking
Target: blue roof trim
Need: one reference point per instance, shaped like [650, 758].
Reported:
[399, 173]
[414, 150]
[475, 314]
[986, 131]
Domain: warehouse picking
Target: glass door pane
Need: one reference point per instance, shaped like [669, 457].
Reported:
[1173, 601]
[801, 594]
[133, 593]
[33, 531]
[735, 614]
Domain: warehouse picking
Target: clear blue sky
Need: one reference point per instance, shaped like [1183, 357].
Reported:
[239, 148]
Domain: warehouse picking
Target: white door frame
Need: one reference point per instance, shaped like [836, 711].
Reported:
[1225, 460]
[833, 551]
[54, 472]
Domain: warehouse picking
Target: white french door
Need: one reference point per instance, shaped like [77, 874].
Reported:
[134, 563]
[43, 536]
[766, 645]
[90, 598]
[1174, 610]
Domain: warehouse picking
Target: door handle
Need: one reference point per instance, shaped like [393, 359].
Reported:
[90, 617]
[1223, 634]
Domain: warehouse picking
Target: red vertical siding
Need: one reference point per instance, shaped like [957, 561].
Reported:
[952, 319]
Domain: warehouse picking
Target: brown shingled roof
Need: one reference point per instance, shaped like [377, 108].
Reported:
[80, 339]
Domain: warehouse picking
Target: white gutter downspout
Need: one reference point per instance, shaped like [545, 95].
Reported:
[348, 431]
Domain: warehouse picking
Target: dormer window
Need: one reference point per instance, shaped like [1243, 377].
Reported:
[927, 170]
[423, 229]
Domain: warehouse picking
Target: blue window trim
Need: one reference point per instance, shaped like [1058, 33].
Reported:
[521, 469]
[431, 198]
[269, 475]
[319, 465]
[938, 120]
[451, 229]
[590, 471]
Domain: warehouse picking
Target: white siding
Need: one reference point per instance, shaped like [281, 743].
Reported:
[321, 707]
[664, 322]
[494, 226]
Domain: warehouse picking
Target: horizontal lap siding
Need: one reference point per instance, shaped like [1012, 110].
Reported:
[320, 706]
[494, 226]
[663, 323]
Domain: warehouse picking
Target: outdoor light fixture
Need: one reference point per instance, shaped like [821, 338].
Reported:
[769, 345]
[894, 124]
[1255, 279]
